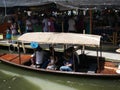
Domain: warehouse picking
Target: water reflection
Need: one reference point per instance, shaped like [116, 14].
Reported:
[12, 78]
[10, 81]
[38, 83]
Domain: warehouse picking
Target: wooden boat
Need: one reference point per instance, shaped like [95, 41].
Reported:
[97, 65]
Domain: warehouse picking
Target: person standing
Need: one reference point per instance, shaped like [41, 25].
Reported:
[14, 31]
[29, 27]
[51, 26]
[8, 34]
[71, 24]
[13, 28]
[45, 24]
[66, 25]
[80, 24]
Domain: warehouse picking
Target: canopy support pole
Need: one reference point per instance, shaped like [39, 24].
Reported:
[98, 63]
[90, 11]
[23, 46]
[62, 26]
[5, 7]
[73, 61]
[83, 47]
[19, 53]
[100, 49]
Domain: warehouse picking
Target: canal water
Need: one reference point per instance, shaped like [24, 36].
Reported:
[12, 78]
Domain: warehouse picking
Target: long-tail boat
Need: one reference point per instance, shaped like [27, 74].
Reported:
[87, 66]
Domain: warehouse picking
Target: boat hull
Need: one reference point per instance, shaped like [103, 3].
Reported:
[61, 73]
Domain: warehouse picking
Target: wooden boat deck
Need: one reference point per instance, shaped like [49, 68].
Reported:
[14, 58]
[109, 67]
[106, 67]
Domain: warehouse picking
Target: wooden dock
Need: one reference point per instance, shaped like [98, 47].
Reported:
[25, 46]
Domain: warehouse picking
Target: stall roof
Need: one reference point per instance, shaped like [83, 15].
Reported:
[65, 3]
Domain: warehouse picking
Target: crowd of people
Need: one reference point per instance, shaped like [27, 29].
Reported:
[45, 23]
[70, 24]
[108, 19]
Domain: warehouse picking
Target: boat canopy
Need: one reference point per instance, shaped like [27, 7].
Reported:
[61, 38]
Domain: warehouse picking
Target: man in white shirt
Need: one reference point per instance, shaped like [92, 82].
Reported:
[39, 56]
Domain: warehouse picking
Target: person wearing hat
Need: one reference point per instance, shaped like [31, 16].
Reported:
[38, 54]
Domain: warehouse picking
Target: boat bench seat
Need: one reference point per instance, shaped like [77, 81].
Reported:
[92, 68]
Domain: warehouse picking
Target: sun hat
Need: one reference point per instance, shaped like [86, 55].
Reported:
[34, 44]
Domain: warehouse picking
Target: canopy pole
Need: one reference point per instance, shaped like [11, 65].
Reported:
[23, 46]
[98, 63]
[5, 5]
[100, 50]
[74, 61]
[90, 12]
[83, 47]
[19, 53]
[62, 26]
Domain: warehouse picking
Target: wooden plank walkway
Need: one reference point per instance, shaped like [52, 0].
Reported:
[15, 58]
[109, 67]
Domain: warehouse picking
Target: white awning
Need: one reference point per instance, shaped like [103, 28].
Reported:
[61, 38]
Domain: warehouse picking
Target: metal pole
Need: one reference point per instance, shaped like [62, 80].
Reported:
[100, 49]
[98, 61]
[83, 47]
[62, 26]
[19, 53]
[74, 60]
[90, 11]
[5, 5]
